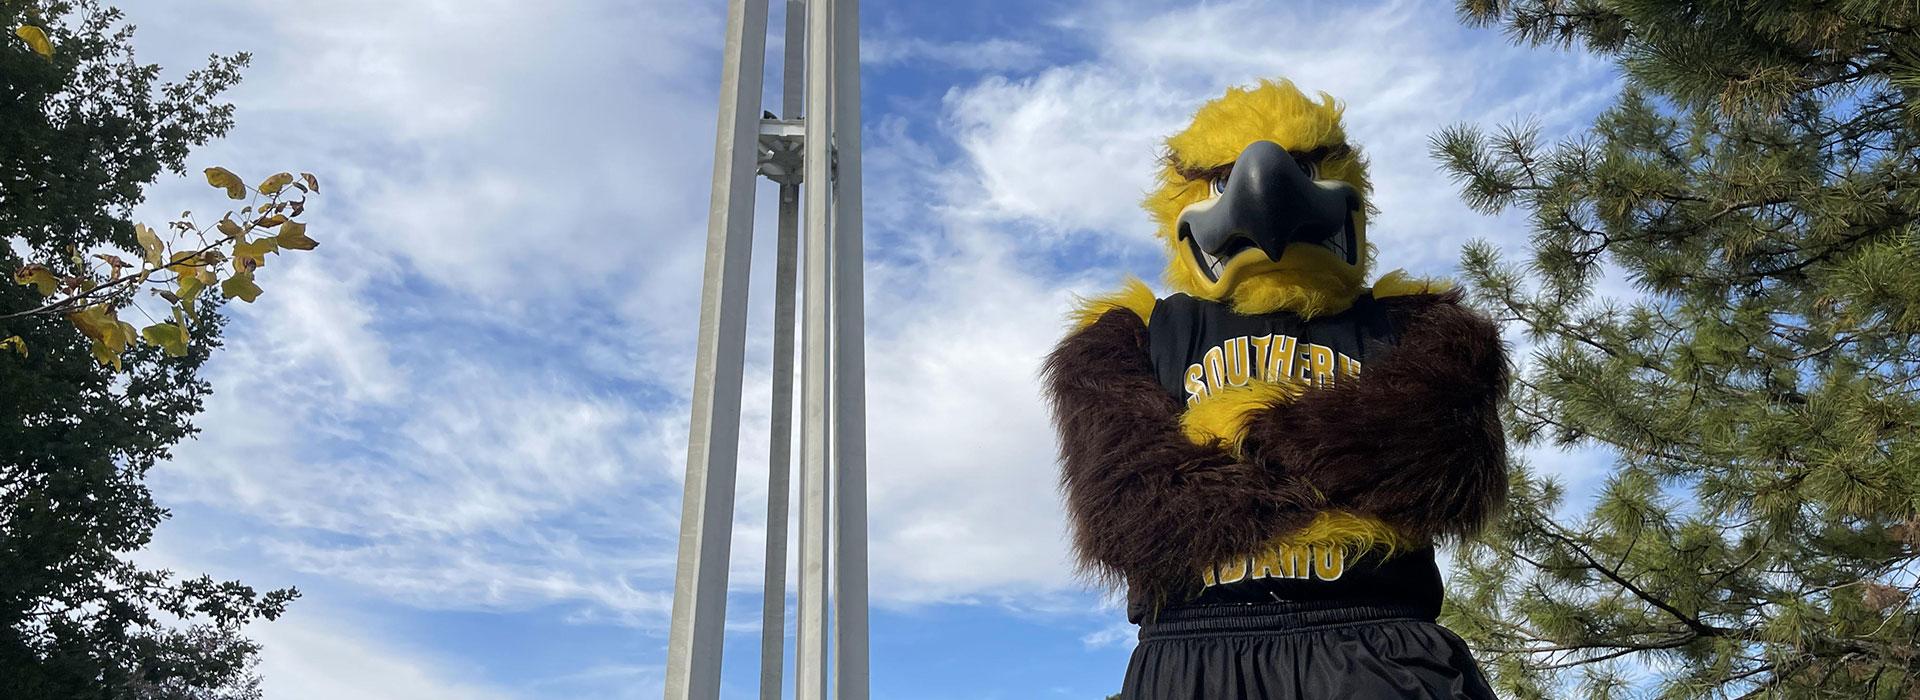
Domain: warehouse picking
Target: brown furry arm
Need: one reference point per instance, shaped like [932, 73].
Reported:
[1416, 439]
[1148, 506]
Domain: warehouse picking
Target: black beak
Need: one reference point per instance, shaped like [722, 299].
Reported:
[1269, 202]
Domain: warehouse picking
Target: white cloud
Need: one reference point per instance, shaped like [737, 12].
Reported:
[605, 681]
[961, 448]
[1072, 148]
[470, 490]
[509, 150]
[317, 649]
[507, 574]
[405, 410]
[996, 54]
[1112, 635]
[317, 316]
[464, 452]
[306, 655]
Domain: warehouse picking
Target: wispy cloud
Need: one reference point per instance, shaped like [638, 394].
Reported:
[1072, 148]
[311, 657]
[997, 54]
[1112, 635]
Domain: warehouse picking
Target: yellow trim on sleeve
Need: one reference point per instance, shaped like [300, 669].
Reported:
[1354, 533]
[1223, 415]
[1322, 550]
[1133, 295]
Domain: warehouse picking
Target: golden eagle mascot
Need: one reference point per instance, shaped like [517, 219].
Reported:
[1266, 458]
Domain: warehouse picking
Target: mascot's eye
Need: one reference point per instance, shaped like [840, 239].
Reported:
[1219, 185]
[1313, 171]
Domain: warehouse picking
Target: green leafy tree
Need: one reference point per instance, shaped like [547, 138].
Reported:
[86, 409]
[1755, 187]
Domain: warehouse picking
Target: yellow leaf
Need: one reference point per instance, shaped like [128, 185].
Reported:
[184, 262]
[248, 255]
[106, 356]
[270, 221]
[109, 334]
[240, 285]
[168, 336]
[313, 183]
[92, 321]
[36, 39]
[190, 285]
[225, 179]
[18, 345]
[122, 335]
[198, 266]
[155, 251]
[233, 230]
[275, 182]
[293, 235]
[38, 276]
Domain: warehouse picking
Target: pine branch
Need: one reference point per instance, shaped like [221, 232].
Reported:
[1699, 628]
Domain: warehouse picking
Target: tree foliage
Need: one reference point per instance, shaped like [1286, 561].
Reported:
[178, 269]
[84, 127]
[1757, 185]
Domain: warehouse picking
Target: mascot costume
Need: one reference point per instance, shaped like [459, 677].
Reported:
[1265, 459]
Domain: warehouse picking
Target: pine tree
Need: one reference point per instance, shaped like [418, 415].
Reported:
[1756, 188]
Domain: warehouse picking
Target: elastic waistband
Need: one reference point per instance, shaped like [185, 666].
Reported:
[1272, 618]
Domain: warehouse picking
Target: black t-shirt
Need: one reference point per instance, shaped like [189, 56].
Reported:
[1199, 347]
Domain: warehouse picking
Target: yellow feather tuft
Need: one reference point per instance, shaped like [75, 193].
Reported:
[1354, 533]
[1223, 415]
[1275, 110]
[1348, 533]
[1399, 284]
[1311, 281]
[1133, 295]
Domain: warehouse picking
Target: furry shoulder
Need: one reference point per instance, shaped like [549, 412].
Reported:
[1133, 295]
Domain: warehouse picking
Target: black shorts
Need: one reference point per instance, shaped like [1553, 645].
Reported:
[1284, 651]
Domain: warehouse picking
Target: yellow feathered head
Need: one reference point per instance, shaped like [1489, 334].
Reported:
[1262, 203]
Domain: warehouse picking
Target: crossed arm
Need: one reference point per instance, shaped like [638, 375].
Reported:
[1415, 441]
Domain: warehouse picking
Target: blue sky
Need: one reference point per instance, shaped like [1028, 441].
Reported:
[459, 425]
